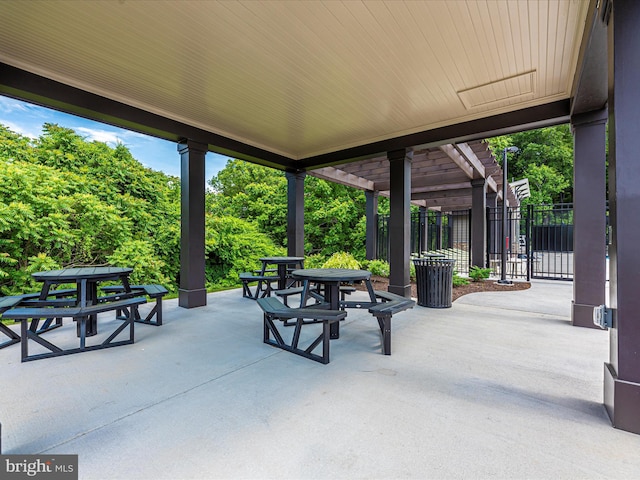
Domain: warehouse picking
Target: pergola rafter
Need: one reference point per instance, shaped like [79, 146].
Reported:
[440, 176]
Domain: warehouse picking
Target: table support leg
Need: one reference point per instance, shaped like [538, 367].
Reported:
[332, 296]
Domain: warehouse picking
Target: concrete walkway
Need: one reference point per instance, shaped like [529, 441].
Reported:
[498, 386]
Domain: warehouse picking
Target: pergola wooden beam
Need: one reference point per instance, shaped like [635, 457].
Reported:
[472, 158]
[332, 174]
[458, 159]
[440, 188]
[435, 170]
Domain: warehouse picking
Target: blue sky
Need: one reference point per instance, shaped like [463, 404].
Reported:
[27, 119]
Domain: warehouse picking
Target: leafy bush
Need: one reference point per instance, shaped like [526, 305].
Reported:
[140, 255]
[478, 273]
[377, 267]
[314, 261]
[233, 246]
[342, 260]
[459, 281]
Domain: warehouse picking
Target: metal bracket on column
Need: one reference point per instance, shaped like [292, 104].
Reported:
[603, 316]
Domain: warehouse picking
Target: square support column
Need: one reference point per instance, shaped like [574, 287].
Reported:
[479, 222]
[372, 224]
[589, 213]
[492, 200]
[622, 373]
[400, 222]
[295, 213]
[192, 291]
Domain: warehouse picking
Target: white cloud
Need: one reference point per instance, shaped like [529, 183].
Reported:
[9, 105]
[26, 130]
[98, 135]
[111, 137]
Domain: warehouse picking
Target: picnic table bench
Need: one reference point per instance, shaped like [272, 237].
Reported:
[155, 292]
[78, 314]
[313, 292]
[13, 300]
[275, 310]
[383, 311]
[263, 284]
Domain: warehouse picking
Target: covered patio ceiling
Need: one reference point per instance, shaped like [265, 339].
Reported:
[304, 85]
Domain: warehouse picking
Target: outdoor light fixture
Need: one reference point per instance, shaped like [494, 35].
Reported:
[503, 268]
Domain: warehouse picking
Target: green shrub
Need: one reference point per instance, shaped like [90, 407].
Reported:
[139, 255]
[458, 281]
[478, 273]
[341, 260]
[314, 261]
[377, 267]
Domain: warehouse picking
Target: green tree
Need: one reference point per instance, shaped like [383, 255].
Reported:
[66, 201]
[334, 213]
[551, 148]
[234, 246]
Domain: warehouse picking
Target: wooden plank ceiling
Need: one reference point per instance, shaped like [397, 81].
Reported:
[302, 79]
[440, 176]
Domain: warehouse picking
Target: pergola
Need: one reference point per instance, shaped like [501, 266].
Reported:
[448, 177]
[311, 87]
[441, 177]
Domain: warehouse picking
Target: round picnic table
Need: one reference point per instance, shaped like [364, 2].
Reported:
[86, 280]
[282, 264]
[331, 278]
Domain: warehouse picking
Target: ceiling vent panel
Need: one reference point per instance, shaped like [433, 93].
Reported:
[518, 87]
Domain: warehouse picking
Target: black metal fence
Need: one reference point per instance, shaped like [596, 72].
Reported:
[550, 237]
[516, 260]
[431, 231]
[540, 239]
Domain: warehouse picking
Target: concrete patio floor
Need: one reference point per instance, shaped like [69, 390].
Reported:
[498, 386]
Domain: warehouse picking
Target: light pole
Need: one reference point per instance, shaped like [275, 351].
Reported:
[503, 268]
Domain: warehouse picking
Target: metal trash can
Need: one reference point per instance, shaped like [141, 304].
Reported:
[434, 280]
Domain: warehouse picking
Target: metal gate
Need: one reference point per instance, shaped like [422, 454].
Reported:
[550, 240]
[517, 264]
[539, 241]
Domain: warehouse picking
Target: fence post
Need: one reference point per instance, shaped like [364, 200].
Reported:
[527, 241]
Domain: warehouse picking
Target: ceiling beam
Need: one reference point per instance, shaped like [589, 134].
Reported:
[454, 203]
[429, 180]
[440, 188]
[472, 158]
[23, 85]
[446, 194]
[546, 115]
[491, 184]
[340, 176]
[458, 159]
[590, 84]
